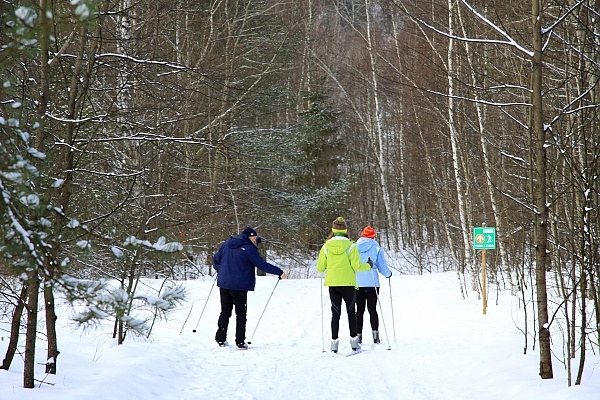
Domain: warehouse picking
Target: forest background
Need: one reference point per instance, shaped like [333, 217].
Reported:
[138, 135]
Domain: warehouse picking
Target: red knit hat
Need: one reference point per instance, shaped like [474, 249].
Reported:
[368, 232]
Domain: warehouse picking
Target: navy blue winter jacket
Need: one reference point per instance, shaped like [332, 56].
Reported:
[235, 262]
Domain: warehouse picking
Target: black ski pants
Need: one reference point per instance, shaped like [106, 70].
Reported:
[367, 296]
[230, 299]
[348, 295]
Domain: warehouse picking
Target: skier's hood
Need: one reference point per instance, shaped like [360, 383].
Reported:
[365, 244]
[238, 241]
[337, 245]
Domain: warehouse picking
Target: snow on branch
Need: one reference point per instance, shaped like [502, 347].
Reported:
[99, 300]
[168, 300]
[508, 40]
[160, 245]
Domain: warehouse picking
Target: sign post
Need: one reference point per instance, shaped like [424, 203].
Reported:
[483, 281]
[484, 239]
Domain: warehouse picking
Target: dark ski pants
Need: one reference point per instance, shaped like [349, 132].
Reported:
[367, 296]
[337, 294]
[230, 299]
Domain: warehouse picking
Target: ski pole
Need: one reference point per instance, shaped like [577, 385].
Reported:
[392, 307]
[380, 310]
[188, 317]
[322, 323]
[204, 308]
[263, 312]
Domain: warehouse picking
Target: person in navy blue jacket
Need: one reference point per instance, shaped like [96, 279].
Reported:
[368, 282]
[235, 263]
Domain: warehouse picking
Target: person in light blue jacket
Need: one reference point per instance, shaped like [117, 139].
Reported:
[368, 282]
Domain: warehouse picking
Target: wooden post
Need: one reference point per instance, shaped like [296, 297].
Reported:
[483, 280]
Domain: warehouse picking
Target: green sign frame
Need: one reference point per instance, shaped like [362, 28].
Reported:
[484, 238]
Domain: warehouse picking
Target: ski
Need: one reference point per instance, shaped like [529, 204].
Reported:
[365, 347]
[345, 353]
[227, 345]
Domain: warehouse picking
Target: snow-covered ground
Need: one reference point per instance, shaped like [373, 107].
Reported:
[436, 346]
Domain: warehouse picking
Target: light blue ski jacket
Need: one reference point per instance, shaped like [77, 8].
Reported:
[369, 248]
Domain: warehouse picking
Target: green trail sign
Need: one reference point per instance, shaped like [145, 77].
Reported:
[484, 238]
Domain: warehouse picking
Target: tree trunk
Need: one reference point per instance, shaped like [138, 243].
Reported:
[33, 280]
[458, 175]
[263, 253]
[483, 134]
[539, 196]
[583, 324]
[14, 329]
[379, 140]
[406, 230]
[33, 285]
[52, 353]
[66, 161]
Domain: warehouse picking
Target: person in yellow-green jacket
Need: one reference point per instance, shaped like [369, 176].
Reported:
[340, 260]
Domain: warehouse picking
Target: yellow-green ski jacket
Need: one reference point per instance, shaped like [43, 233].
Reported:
[340, 258]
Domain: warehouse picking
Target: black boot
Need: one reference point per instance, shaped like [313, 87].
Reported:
[376, 337]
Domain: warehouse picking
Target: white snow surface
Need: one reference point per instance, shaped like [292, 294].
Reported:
[436, 346]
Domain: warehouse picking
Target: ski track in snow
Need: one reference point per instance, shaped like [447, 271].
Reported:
[289, 361]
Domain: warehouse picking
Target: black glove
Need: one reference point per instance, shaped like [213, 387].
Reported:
[370, 262]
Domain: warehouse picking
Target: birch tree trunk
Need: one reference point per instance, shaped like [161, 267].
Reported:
[306, 65]
[454, 140]
[483, 135]
[378, 137]
[406, 233]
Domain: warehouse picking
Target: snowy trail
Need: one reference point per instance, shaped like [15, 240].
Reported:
[286, 358]
[444, 349]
